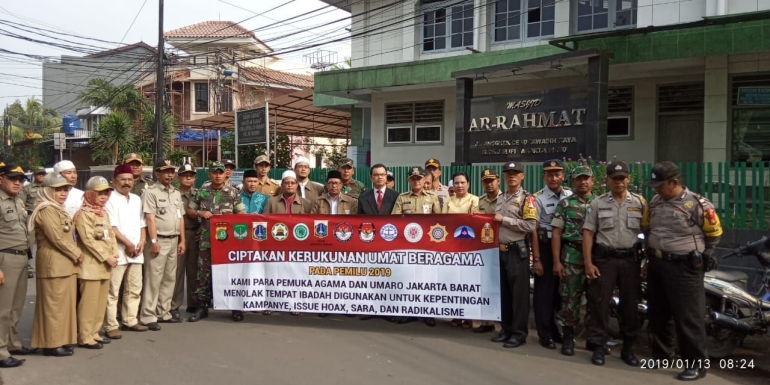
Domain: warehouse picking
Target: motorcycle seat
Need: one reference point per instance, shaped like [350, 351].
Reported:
[729, 276]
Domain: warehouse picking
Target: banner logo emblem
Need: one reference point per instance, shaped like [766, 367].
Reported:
[413, 232]
[321, 229]
[438, 233]
[259, 231]
[464, 232]
[487, 233]
[343, 232]
[366, 232]
[240, 231]
[280, 232]
[388, 232]
[301, 231]
[221, 231]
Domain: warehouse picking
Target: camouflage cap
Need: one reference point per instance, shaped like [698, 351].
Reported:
[39, 170]
[187, 167]
[346, 162]
[582, 170]
[216, 166]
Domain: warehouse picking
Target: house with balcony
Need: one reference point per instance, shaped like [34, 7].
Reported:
[488, 81]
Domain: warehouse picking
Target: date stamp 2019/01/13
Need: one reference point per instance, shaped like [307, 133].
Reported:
[679, 363]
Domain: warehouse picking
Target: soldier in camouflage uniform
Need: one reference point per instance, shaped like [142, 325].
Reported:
[566, 242]
[350, 186]
[141, 182]
[217, 198]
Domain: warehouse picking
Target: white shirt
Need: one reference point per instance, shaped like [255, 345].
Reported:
[382, 190]
[74, 202]
[127, 216]
[302, 188]
[333, 203]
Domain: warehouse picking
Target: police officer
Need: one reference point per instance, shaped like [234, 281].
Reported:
[567, 249]
[13, 264]
[217, 198]
[141, 183]
[546, 299]
[683, 232]
[163, 207]
[187, 265]
[30, 195]
[611, 260]
[265, 185]
[517, 214]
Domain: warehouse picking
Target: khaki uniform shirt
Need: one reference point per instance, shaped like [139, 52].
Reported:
[442, 192]
[277, 205]
[519, 215]
[486, 205]
[616, 224]
[423, 203]
[345, 205]
[96, 240]
[190, 224]
[30, 195]
[682, 224]
[168, 207]
[140, 185]
[268, 187]
[13, 226]
[57, 250]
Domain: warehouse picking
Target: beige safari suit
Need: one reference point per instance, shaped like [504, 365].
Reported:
[13, 264]
[277, 205]
[97, 242]
[345, 206]
[167, 206]
[423, 203]
[187, 263]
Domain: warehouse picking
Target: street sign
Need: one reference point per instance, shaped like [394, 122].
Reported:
[251, 126]
[59, 141]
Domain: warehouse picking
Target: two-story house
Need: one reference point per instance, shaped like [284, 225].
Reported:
[681, 80]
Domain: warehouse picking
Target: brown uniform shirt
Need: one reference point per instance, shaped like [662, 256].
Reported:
[486, 205]
[96, 240]
[13, 226]
[268, 187]
[411, 203]
[345, 205]
[140, 185]
[277, 205]
[57, 250]
[168, 207]
[616, 224]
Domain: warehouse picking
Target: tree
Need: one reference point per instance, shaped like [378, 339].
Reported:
[125, 98]
[112, 138]
[332, 154]
[32, 116]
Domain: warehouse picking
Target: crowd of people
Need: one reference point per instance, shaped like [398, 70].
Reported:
[124, 254]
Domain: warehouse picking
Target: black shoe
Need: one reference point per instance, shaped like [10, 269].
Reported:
[568, 345]
[547, 343]
[199, 315]
[390, 319]
[404, 320]
[502, 337]
[104, 340]
[691, 374]
[366, 317]
[153, 326]
[629, 358]
[591, 346]
[513, 343]
[11, 362]
[558, 338]
[483, 329]
[236, 316]
[430, 322]
[69, 348]
[58, 352]
[598, 357]
[97, 345]
[191, 309]
[175, 319]
[24, 351]
[175, 314]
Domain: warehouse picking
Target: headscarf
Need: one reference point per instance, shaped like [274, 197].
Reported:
[89, 200]
[45, 198]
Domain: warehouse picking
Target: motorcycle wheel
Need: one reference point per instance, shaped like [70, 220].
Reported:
[720, 342]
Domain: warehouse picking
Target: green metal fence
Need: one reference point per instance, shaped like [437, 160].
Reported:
[738, 190]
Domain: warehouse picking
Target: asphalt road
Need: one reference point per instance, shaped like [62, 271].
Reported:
[282, 349]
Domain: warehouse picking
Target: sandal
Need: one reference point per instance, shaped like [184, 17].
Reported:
[267, 312]
[295, 313]
[467, 324]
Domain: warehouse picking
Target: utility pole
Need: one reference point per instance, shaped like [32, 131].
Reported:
[160, 88]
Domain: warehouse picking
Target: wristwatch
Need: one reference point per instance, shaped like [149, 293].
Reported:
[154, 240]
[536, 259]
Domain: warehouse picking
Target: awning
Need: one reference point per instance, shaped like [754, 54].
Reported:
[292, 114]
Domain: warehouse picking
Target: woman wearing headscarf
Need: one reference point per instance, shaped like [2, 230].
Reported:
[68, 171]
[97, 241]
[57, 260]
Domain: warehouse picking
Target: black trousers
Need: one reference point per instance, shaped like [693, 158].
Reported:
[546, 300]
[514, 293]
[623, 273]
[675, 291]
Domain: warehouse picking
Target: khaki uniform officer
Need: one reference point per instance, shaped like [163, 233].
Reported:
[163, 207]
[433, 167]
[265, 185]
[13, 264]
[612, 261]
[187, 265]
[487, 202]
[137, 167]
[417, 201]
[100, 250]
[333, 201]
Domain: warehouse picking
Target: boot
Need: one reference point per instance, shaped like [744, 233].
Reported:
[627, 354]
[200, 313]
[598, 357]
[568, 346]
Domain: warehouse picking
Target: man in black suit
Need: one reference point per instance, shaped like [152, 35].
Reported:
[380, 199]
[377, 201]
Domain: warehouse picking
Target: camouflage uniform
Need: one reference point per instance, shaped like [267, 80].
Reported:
[353, 188]
[224, 201]
[569, 216]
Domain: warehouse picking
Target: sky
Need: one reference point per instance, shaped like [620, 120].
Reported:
[112, 21]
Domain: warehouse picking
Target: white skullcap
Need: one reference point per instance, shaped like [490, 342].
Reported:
[288, 174]
[301, 159]
[63, 166]
[451, 183]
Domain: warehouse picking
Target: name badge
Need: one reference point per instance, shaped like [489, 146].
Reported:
[347, 211]
[179, 214]
[426, 209]
[106, 234]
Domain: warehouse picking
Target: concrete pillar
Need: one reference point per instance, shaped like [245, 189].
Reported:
[596, 114]
[716, 105]
[464, 96]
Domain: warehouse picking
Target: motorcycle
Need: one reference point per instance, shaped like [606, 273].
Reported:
[733, 312]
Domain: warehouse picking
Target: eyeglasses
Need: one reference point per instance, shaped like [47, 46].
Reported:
[302, 167]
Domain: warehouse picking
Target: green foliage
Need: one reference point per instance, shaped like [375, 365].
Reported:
[177, 157]
[32, 116]
[125, 98]
[332, 154]
[247, 154]
[112, 138]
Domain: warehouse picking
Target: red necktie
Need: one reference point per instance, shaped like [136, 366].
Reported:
[379, 199]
